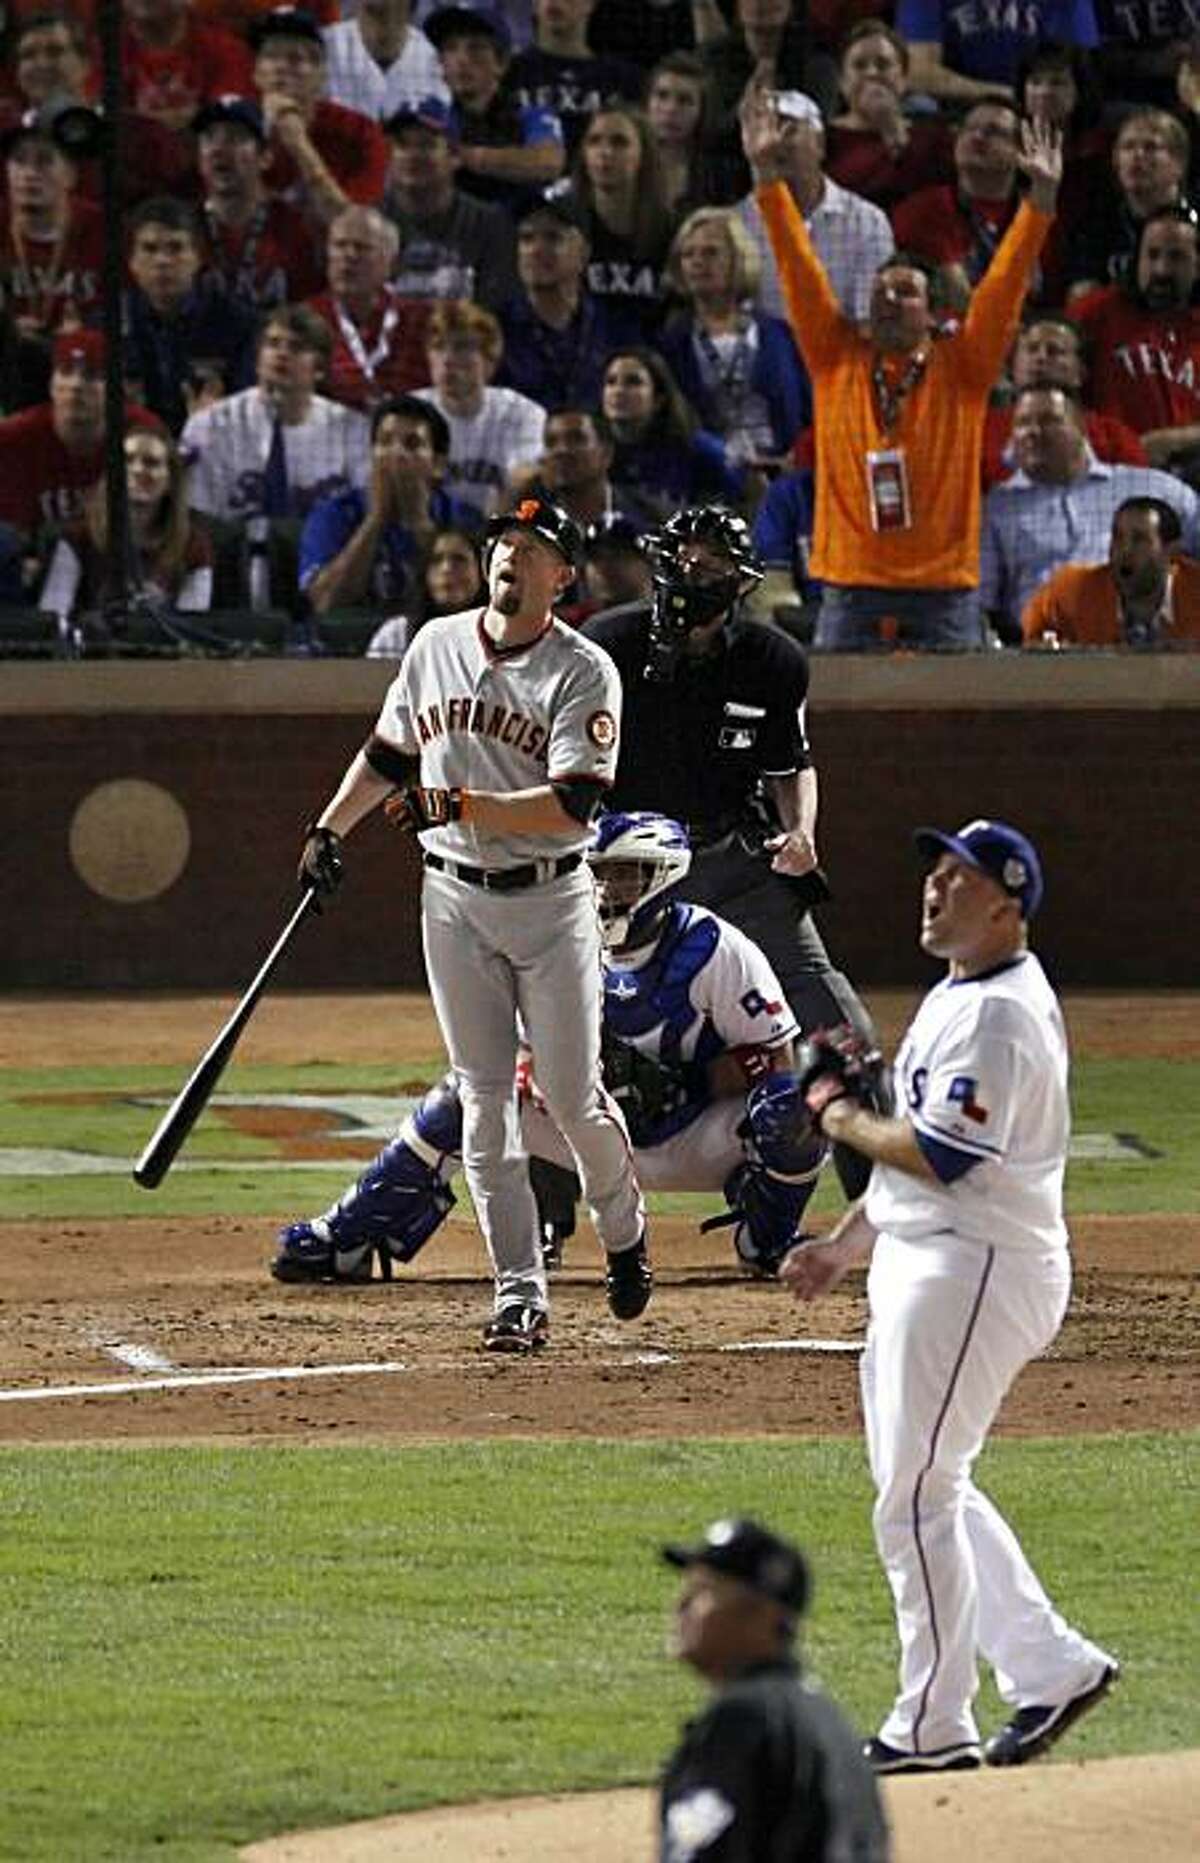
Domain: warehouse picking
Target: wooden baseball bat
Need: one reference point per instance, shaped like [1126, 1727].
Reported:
[193, 1096]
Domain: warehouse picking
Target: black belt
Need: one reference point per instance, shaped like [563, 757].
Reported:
[506, 879]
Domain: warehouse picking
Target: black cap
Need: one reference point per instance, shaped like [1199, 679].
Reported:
[615, 530]
[290, 22]
[546, 521]
[744, 1550]
[243, 111]
[561, 207]
[445, 21]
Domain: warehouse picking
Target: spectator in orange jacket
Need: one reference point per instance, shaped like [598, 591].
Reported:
[900, 413]
[1146, 595]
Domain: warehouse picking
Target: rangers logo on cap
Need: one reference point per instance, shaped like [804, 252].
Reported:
[602, 729]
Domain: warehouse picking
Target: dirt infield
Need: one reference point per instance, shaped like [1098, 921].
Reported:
[159, 1303]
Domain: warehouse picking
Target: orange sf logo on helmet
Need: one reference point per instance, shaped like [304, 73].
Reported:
[528, 510]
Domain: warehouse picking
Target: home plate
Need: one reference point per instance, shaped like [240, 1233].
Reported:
[794, 1345]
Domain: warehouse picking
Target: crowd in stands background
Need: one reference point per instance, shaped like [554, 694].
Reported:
[559, 227]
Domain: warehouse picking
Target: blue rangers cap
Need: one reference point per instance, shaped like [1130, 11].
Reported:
[744, 1550]
[997, 849]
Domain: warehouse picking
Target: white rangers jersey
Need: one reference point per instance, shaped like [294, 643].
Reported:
[503, 719]
[485, 447]
[227, 446]
[355, 80]
[982, 1073]
[702, 989]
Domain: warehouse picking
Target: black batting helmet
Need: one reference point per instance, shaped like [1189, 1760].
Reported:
[547, 521]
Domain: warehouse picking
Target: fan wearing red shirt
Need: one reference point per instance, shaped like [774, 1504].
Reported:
[323, 156]
[172, 63]
[378, 335]
[51, 455]
[51, 245]
[261, 249]
[961, 226]
[873, 148]
[1048, 353]
[1145, 338]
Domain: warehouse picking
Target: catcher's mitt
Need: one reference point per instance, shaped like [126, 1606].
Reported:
[645, 1090]
[837, 1064]
[412, 810]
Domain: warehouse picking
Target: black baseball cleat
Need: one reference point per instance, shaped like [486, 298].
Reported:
[1034, 1730]
[628, 1281]
[517, 1328]
[883, 1759]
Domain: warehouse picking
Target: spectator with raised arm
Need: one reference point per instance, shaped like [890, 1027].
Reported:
[851, 237]
[899, 412]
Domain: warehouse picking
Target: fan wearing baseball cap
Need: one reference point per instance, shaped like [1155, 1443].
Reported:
[970, 1276]
[50, 455]
[324, 156]
[771, 1768]
[508, 150]
[52, 242]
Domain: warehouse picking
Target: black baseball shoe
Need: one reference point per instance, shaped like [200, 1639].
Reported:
[628, 1281]
[1034, 1730]
[882, 1758]
[518, 1328]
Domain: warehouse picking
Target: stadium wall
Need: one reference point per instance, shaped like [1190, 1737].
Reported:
[153, 815]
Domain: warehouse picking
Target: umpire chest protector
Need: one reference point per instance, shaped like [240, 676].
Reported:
[696, 745]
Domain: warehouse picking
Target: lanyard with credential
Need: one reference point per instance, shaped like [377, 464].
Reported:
[351, 336]
[891, 396]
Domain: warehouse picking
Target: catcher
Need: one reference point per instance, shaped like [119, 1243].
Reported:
[698, 1051]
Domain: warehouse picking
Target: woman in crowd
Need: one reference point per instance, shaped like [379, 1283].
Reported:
[677, 112]
[451, 581]
[740, 370]
[662, 458]
[873, 148]
[617, 192]
[171, 553]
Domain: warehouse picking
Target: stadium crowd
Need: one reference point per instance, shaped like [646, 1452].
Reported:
[914, 288]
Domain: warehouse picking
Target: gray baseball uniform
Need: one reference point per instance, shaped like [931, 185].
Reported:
[505, 720]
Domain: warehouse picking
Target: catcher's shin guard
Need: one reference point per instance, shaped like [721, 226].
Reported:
[401, 1198]
[769, 1193]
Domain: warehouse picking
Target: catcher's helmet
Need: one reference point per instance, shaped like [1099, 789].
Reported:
[547, 521]
[637, 857]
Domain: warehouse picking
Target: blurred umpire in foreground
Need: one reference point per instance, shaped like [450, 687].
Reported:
[771, 1771]
[715, 736]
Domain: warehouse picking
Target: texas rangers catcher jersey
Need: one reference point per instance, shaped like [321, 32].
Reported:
[704, 988]
[982, 1073]
[503, 719]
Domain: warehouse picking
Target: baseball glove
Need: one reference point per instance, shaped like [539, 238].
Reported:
[412, 810]
[320, 860]
[645, 1090]
[837, 1064]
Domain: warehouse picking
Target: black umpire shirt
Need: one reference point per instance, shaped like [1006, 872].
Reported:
[771, 1772]
[694, 747]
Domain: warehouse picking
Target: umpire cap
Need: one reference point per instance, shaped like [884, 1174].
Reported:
[745, 1550]
[546, 521]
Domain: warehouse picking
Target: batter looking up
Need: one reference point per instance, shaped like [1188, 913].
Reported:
[494, 745]
[970, 1276]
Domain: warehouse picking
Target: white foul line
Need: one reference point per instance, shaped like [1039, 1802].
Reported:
[794, 1345]
[271, 1374]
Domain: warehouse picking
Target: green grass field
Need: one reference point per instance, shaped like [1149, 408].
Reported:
[202, 1646]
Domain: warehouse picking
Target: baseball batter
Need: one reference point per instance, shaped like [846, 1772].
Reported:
[512, 722]
[969, 1280]
[697, 1044]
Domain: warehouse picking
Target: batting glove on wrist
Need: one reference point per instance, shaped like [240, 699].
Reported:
[321, 860]
[412, 810]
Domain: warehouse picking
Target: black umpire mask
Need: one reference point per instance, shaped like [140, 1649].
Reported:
[679, 606]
